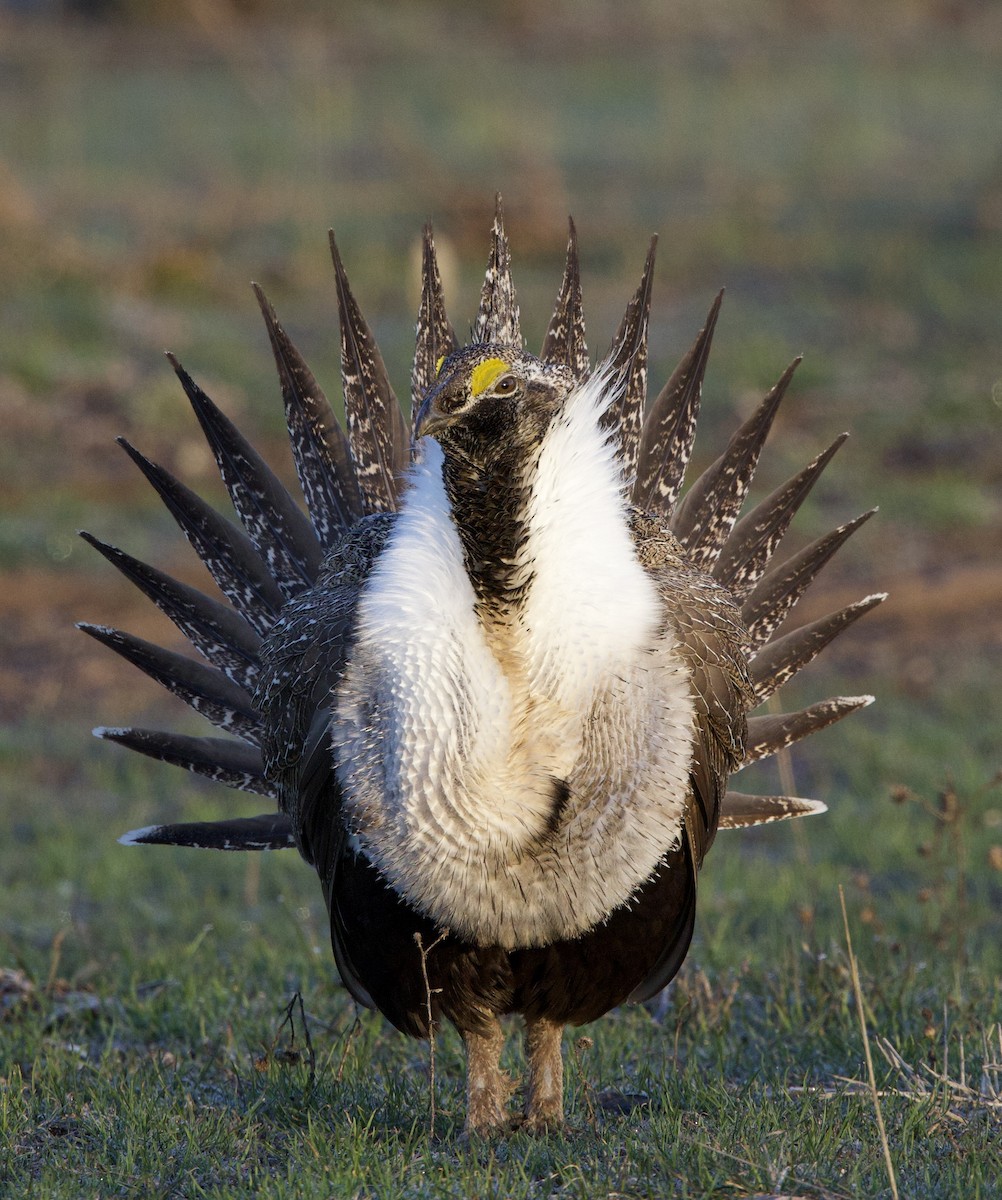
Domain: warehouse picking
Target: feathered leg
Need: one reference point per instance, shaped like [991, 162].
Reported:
[487, 1086]
[544, 1104]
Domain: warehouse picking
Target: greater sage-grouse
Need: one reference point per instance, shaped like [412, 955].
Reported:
[497, 678]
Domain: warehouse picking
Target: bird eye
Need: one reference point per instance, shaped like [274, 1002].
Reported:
[505, 385]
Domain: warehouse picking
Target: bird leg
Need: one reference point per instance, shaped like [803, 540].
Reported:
[544, 1103]
[487, 1086]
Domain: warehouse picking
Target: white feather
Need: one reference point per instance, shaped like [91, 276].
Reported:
[449, 739]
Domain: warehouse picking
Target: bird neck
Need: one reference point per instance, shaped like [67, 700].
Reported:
[490, 505]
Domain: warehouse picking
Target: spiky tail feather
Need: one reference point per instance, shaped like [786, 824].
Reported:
[275, 552]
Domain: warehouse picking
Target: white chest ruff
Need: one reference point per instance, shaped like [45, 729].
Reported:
[520, 804]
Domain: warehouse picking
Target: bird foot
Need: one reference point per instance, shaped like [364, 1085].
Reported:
[543, 1122]
[487, 1110]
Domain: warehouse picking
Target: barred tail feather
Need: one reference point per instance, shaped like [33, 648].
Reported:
[670, 426]
[319, 445]
[769, 734]
[217, 632]
[710, 507]
[227, 552]
[207, 690]
[270, 831]
[224, 760]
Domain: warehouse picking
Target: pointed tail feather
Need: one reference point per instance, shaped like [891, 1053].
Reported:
[218, 633]
[236, 764]
[498, 316]
[207, 690]
[627, 365]
[670, 426]
[767, 735]
[710, 507]
[775, 594]
[380, 443]
[781, 659]
[276, 525]
[564, 342]
[319, 445]
[434, 336]
[270, 831]
[753, 541]
[738, 810]
[227, 552]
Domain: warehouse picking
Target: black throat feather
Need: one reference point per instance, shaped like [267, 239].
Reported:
[490, 507]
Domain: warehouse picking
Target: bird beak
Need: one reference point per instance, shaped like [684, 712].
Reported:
[431, 419]
[428, 421]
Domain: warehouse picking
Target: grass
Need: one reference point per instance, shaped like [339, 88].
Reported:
[845, 186]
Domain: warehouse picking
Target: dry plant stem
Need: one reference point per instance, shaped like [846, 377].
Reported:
[290, 1020]
[423, 954]
[858, 991]
[487, 1086]
[544, 1104]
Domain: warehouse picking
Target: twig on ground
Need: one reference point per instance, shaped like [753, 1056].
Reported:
[423, 953]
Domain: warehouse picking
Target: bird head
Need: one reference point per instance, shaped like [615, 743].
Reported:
[489, 401]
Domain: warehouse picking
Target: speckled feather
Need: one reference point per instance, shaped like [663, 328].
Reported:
[226, 551]
[628, 363]
[282, 535]
[768, 735]
[670, 426]
[434, 338]
[781, 659]
[319, 445]
[498, 316]
[565, 343]
[237, 764]
[753, 540]
[706, 516]
[269, 831]
[376, 432]
[208, 691]
[219, 633]
[775, 594]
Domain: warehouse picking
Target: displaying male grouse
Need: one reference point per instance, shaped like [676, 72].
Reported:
[497, 694]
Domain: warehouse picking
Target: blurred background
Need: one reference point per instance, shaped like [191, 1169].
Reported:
[836, 165]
